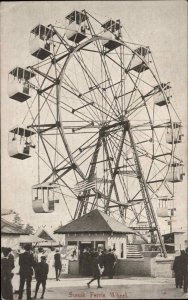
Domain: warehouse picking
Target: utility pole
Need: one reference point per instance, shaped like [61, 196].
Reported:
[170, 218]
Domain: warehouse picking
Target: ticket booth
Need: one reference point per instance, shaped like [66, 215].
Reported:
[95, 230]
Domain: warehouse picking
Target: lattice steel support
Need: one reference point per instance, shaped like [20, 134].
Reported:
[146, 197]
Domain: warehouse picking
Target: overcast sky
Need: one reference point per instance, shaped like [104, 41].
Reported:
[162, 25]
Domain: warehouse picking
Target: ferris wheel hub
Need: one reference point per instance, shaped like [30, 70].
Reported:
[125, 124]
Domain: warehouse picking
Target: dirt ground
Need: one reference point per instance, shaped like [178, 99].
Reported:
[117, 288]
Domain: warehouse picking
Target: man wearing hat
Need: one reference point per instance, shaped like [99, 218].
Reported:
[177, 268]
[26, 262]
[11, 258]
[6, 277]
[111, 261]
[41, 272]
[185, 271]
[58, 264]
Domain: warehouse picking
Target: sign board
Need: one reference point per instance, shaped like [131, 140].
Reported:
[72, 252]
[65, 266]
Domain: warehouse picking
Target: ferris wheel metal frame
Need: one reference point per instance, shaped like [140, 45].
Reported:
[114, 123]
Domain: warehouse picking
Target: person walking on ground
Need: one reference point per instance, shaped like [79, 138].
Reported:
[98, 269]
[58, 264]
[177, 268]
[185, 270]
[26, 262]
[111, 262]
[41, 272]
[6, 276]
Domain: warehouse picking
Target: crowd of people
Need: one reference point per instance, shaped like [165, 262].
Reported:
[39, 263]
[28, 263]
[35, 262]
[108, 259]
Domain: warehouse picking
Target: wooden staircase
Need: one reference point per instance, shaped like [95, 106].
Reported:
[134, 252]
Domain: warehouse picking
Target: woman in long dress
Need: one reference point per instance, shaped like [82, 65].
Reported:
[16, 278]
[50, 261]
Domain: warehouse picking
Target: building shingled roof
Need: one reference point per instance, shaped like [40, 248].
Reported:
[94, 221]
[45, 234]
[11, 228]
[5, 211]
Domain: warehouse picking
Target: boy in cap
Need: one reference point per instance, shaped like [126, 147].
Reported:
[41, 272]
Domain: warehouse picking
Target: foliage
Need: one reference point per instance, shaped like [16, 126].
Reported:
[29, 229]
[17, 220]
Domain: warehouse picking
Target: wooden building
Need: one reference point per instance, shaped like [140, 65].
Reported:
[175, 241]
[11, 234]
[93, 230]
[45, 238]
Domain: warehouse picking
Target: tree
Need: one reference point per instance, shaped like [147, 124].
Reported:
[29, 229]
[17, 220]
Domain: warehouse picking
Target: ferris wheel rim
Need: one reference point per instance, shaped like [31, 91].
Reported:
[62, 72]
[59, 87]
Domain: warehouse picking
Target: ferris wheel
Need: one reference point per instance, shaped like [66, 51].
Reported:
[101, 123]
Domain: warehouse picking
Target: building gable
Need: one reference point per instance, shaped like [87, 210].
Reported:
[94, 221]
[10, 228]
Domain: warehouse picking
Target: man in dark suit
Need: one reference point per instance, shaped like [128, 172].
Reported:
[110, 263]
[41, 272]
[11, 258]
[177, 268]
[6, 275]
[185, 270]
[58, 264]
[26, 262]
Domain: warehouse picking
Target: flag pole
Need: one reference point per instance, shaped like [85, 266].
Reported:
[96, 187]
